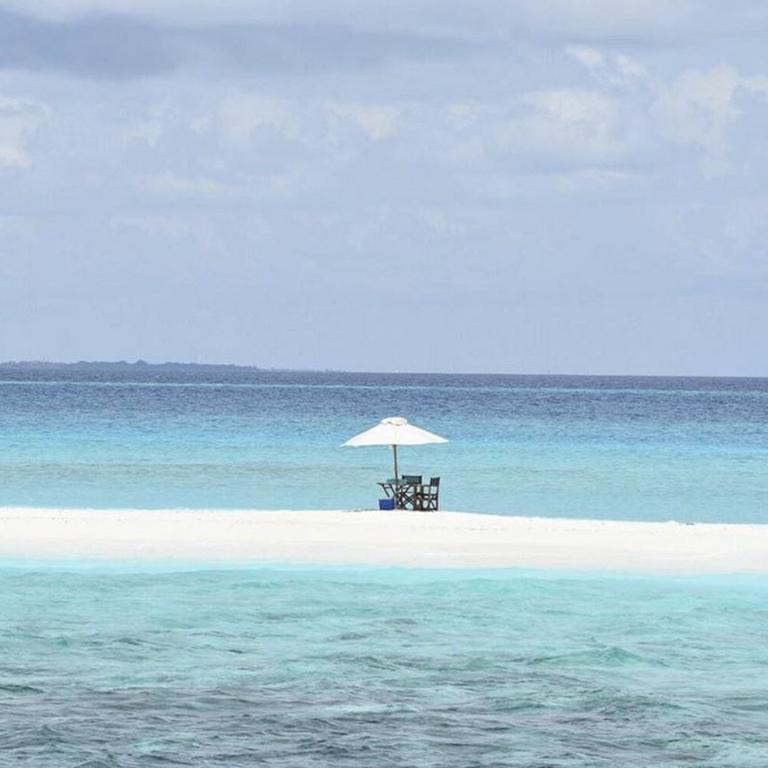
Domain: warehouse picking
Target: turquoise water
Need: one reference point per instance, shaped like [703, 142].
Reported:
[607, 447]
[115, 668]
[133, 667]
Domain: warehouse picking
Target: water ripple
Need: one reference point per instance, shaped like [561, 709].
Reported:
[380, 669]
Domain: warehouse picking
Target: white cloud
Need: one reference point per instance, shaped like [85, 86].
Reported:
[173, 186]
[565, 126]
[589, 57]
[18, 120]
[201, 124]
[376, 121]
[574, 106]
[614, 69]
[440, 223]
[147, 131]
[243, 115]
[165, 227]
[699, 106]
[629, 68]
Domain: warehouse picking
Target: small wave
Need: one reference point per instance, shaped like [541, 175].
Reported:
[611, 656]
[18, 688]
[98, 762]
[37, 736]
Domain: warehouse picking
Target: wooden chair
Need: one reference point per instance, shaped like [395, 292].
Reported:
[409, 492]
[430, 495]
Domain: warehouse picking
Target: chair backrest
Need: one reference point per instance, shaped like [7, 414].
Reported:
[413, 479]
[434, 481]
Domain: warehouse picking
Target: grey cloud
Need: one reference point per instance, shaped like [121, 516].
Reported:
[120, 47]
[605, 21]
[100, 47]
[545, 213]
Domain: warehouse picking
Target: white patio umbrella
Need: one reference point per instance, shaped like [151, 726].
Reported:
[394, 431]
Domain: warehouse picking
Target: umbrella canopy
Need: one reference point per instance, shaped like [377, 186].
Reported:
[394, 431]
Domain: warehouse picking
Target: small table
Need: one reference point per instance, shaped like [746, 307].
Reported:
[406, 495]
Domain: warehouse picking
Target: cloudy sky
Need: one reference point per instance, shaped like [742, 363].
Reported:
[571, 186]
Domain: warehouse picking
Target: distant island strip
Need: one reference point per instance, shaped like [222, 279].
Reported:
[122, 365]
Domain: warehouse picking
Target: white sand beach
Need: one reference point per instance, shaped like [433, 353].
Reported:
[439, 539]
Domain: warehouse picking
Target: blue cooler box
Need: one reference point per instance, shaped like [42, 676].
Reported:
[386, 503]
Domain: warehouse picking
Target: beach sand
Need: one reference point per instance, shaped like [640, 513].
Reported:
[423, 539]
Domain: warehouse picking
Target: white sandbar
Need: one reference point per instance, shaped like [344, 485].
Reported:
[425, 539]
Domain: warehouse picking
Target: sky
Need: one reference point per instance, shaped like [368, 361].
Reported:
[570, 186]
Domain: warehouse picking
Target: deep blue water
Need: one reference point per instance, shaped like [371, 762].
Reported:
[623, 448]
[608, 447]
[348, 667]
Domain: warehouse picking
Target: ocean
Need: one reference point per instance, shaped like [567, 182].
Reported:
[114, 668]
[692, 450]
[128, 665]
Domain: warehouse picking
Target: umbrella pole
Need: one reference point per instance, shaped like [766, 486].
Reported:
[397, 488]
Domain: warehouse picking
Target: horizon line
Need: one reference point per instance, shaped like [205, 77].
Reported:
[142, 364]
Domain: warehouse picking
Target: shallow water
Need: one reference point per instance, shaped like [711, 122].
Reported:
[607, 447]
[324, 667]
